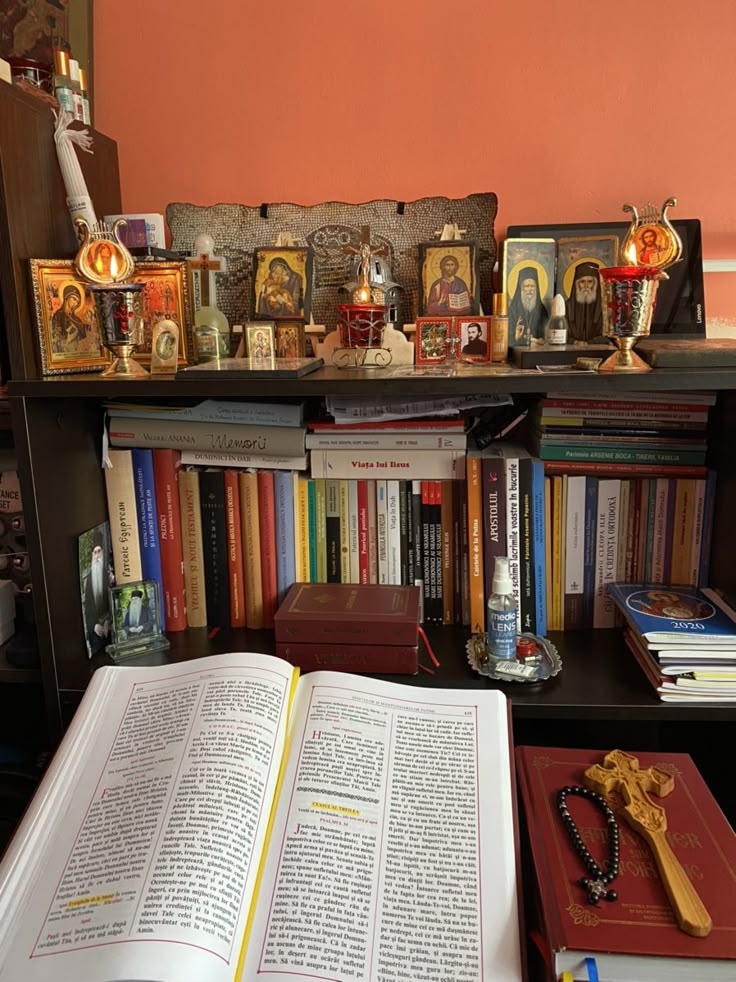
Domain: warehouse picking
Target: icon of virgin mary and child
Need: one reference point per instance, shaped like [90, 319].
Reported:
[281, 293]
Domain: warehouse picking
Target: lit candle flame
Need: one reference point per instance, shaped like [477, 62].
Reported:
[631, 254]
[364, 295]
[114, 267]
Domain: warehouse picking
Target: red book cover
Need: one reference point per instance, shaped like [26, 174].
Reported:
[267, 528]
[618, 405]
[392, 424]
[166, 465]
[234, 550]
[342, 613]
[640, 923]
[363, 563]
[385, 659]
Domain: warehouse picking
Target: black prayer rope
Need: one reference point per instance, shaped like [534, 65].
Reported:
[597, 882]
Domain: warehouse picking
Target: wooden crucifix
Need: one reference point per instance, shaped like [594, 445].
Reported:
[204, 266]
[621, 772]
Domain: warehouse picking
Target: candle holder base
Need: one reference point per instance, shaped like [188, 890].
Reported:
[124, 366]
[625, 359]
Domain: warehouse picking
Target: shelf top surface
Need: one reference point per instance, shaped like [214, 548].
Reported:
[367, 382]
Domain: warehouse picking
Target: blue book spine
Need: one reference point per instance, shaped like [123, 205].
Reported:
[312, 506]
[283, 490]
[708, 511]
[652, 497]
[589, 549]
[668, 529]
[147, 524]
[538, 531]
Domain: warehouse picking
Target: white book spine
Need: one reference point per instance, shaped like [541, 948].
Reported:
[201, 458]
[511, 467]
[382, 531]
[394, 533]
[353, 531]
[427, 465]
[574, 535]
[386, 440]
[661, 501]
[606, 552]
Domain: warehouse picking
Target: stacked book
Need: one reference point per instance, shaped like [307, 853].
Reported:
[627, 494]
[683, 639]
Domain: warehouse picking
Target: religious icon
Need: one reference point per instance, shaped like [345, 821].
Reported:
[136, 619]
[474, 334]
[448, 273]
[96, 576]
[289, 339]
[259, 340]
[66, 319]
[651, 240]
[528, 281]
[165, 297]
[164, 347]
[434, 340]
[282, 283]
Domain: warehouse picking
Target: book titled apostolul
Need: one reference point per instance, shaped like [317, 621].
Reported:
[339, 613]
[635, 937]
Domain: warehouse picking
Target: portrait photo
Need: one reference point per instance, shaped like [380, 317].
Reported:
[475, 335]
[448, 279]
[528, 281]
[135, 612]
[260, 341]
[433, 339]
[289, 341]
[165, 297]
[282, 283]
[96, 576]
[66, 320]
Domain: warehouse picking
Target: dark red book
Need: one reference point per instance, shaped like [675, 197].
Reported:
[234, 550]
[166, 464]
[363, 564]
[387, 659]
[342, 613]
[635, 937]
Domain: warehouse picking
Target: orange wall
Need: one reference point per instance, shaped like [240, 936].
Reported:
[564, 109]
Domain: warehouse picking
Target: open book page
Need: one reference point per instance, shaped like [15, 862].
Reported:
[140, 852]
[392, 854]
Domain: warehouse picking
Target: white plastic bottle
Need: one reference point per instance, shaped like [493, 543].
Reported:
[502, 613]
[556, 330]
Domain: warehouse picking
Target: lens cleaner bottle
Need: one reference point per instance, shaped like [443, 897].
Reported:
[502, 613]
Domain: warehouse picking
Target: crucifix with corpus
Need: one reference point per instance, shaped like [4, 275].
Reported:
[365, 292]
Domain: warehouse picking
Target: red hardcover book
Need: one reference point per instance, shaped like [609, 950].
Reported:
[635, 937]
[363, 559]
[387, 659]
[342, 613]
[618, 405]
[234, 550]
[267, 529]
[392, 424]
[166, 464]
[600, 469]
[447, 550]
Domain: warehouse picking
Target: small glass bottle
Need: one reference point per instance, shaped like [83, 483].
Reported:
[502, 613]
[62, 82]
[85, 96]
[556, 330]
[500, 328]
[76, 89]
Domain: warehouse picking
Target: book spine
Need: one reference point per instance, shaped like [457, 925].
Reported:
[344, 499]
[301, 532]
[526, 567]
[428, 605]
[708, 514]
[436, 548]
[276, 441]
[557, 569]
[372, 533]
[662, 488]
[392, 659]
[696, 538]
[332, 522]
[538, 538]
[464, 557]
[267, 530]
[435, 465]
[216, 411]
[494, 513]
[577, 415]
[166, 465]
[363, 561]
[238, 461]
[234, 550]
[192, 548]
[394, 533]
[589, 549]
[622, 455]
[214, 543]
[552, 467]
[122, 512]
[623, 512]
[574, 554]
[385, 440]
[636, 524]
[409, 525]
[403, 535]
[312, 530]
[678, 569]
[475, 545]
[513, 531]
[458, 493]
[382, 531]
[353, 539]
[416, 520]
[629, 522]
[145, 493]
[649, 548]
[283, 490]
[320, 511]
[548, 549]
[447, 538]
[608, 495]
[643, 527]
[250, 527]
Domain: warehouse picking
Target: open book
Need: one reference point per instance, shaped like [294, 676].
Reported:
[223, 819]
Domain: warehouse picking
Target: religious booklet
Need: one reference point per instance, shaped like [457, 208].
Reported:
[223, 819]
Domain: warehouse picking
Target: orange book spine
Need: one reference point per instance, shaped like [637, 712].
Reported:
[267, 526]
[475, 545]
[234, 550]
[251, 535]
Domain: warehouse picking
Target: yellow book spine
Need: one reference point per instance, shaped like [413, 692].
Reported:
[343, 496]
[475, 544]
[251, 534]
[301, 531]
[192, 551]
[320, 507]
[123, 513]
[682, 532]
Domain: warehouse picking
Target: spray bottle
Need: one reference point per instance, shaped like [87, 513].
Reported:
[502, 613]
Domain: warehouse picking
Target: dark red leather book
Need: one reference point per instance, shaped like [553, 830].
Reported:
[166, 464]
[342, 613]
[635, 937]
[386, 659]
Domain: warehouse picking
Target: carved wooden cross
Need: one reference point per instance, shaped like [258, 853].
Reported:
[621, 772]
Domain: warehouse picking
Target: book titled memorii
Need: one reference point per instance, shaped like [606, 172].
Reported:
[219, 820]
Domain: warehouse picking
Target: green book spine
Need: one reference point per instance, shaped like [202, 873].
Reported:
[622, 456]
[320, 508]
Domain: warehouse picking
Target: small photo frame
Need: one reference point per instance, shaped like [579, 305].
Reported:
[96, 576]
[448, 279]
[289, 339]
[165, 297]
[66, 320]
[475, 338]
[282, 283]
[433, 339]
[260, 343]
[529, 282]
[136, 620]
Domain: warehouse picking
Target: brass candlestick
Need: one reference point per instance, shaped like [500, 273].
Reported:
[628, 295]
[120, 316]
